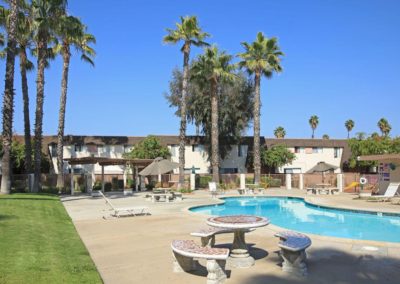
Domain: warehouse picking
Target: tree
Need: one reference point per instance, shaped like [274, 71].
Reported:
[45, 15]
[149, 148]
[375, 135]
[8, 98]
[71, 33]
[190, 33]
[261, 58]
[277, 156]
[235, 108]
[384, 127]
[313, 121]
[24, 43]
[280, 132]
[211, 68]
[349, 124]
[325, 136]
[361, 135]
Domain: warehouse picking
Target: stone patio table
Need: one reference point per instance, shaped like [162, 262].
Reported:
[239, 256]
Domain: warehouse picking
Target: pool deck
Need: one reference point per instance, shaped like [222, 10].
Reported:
[137, 249]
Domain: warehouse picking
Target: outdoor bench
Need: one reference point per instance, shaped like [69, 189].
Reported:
[293, 246]
[207, 235]
[184, 252]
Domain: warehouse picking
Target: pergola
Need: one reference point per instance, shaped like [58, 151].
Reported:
[104, 161]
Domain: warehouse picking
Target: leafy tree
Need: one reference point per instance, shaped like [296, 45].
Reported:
[8, 98]
[375, 135]
[276, 156]
[190, 33]
[149, 148]
[384, 127]
[313, 121]
[235, 107]
[325, 136]
[210, 69]
[71, 33]
[280, 132]
[349, 124]
[45, 17]
[261, 58]
[361, 135]
[371, 146]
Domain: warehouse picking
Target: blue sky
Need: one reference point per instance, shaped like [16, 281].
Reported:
[342, 61]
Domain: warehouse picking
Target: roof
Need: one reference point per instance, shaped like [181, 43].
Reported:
[102, 161]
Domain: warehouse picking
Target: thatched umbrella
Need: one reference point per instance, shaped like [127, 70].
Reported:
[322, 167]
[158, 167]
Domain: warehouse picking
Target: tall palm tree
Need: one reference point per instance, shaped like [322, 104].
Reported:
[261, 58]
[349, 124]
[24, 43]
[280, 132]
[8, 98]
[384, 127]
[313, 121]
[213, 67]
[190, 33]
[45, 14]
[72, 33]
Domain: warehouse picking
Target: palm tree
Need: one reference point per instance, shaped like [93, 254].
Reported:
[71, 33]
[213, 67]
[325, 136]
[190, 33]
[261, 58]
[280, 132]
[45, 15]
[8, 98]
[24, 43]
[384, 126]
[313, 121]
[349, 124]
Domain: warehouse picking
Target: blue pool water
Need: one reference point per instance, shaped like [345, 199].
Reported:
[295, 214]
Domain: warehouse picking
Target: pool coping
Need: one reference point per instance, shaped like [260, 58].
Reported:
[220, 200]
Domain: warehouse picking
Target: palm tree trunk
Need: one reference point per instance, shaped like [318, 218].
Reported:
[214, 132]
[348, 134]
[61, 116]
[27, 124]
[42, 47]
[256, 150]
[312, 136]
[182, 129]
[8, 100]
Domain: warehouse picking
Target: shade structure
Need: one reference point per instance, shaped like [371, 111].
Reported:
[322, 167]
[158, 167]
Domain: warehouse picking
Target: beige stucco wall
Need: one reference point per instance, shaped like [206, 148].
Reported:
[305, 161]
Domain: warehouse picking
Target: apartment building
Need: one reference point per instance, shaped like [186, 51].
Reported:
[308, 152]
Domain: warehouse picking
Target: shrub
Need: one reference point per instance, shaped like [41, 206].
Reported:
[203, 181]
[51, 190]
[97, 185]
[114, 183]
[185, 190]
[130, 183]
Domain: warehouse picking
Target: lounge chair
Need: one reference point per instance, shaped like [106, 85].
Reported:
[390, 192]
[129, 211]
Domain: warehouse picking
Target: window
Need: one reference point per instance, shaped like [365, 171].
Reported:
[197, 148]
[100, 148]
[317, 150]
[240, 151]
[174, 150]
[298, 150]
[336, 152]
[78, 148]
[54, 150]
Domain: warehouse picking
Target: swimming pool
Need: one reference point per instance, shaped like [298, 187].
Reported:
[296, 214]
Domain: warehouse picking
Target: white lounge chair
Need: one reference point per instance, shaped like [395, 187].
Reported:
[390, 192]
[130, 211]
[212, 186]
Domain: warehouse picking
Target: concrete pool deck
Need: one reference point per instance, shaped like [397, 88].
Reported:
[137, 249]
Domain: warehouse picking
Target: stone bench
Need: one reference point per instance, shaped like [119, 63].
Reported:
[184, 252]
[293, 246]
[207, 235]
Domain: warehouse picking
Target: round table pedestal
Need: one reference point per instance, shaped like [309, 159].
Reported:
[240, 257]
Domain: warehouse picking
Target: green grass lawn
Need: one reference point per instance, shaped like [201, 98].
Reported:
[39, 243]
